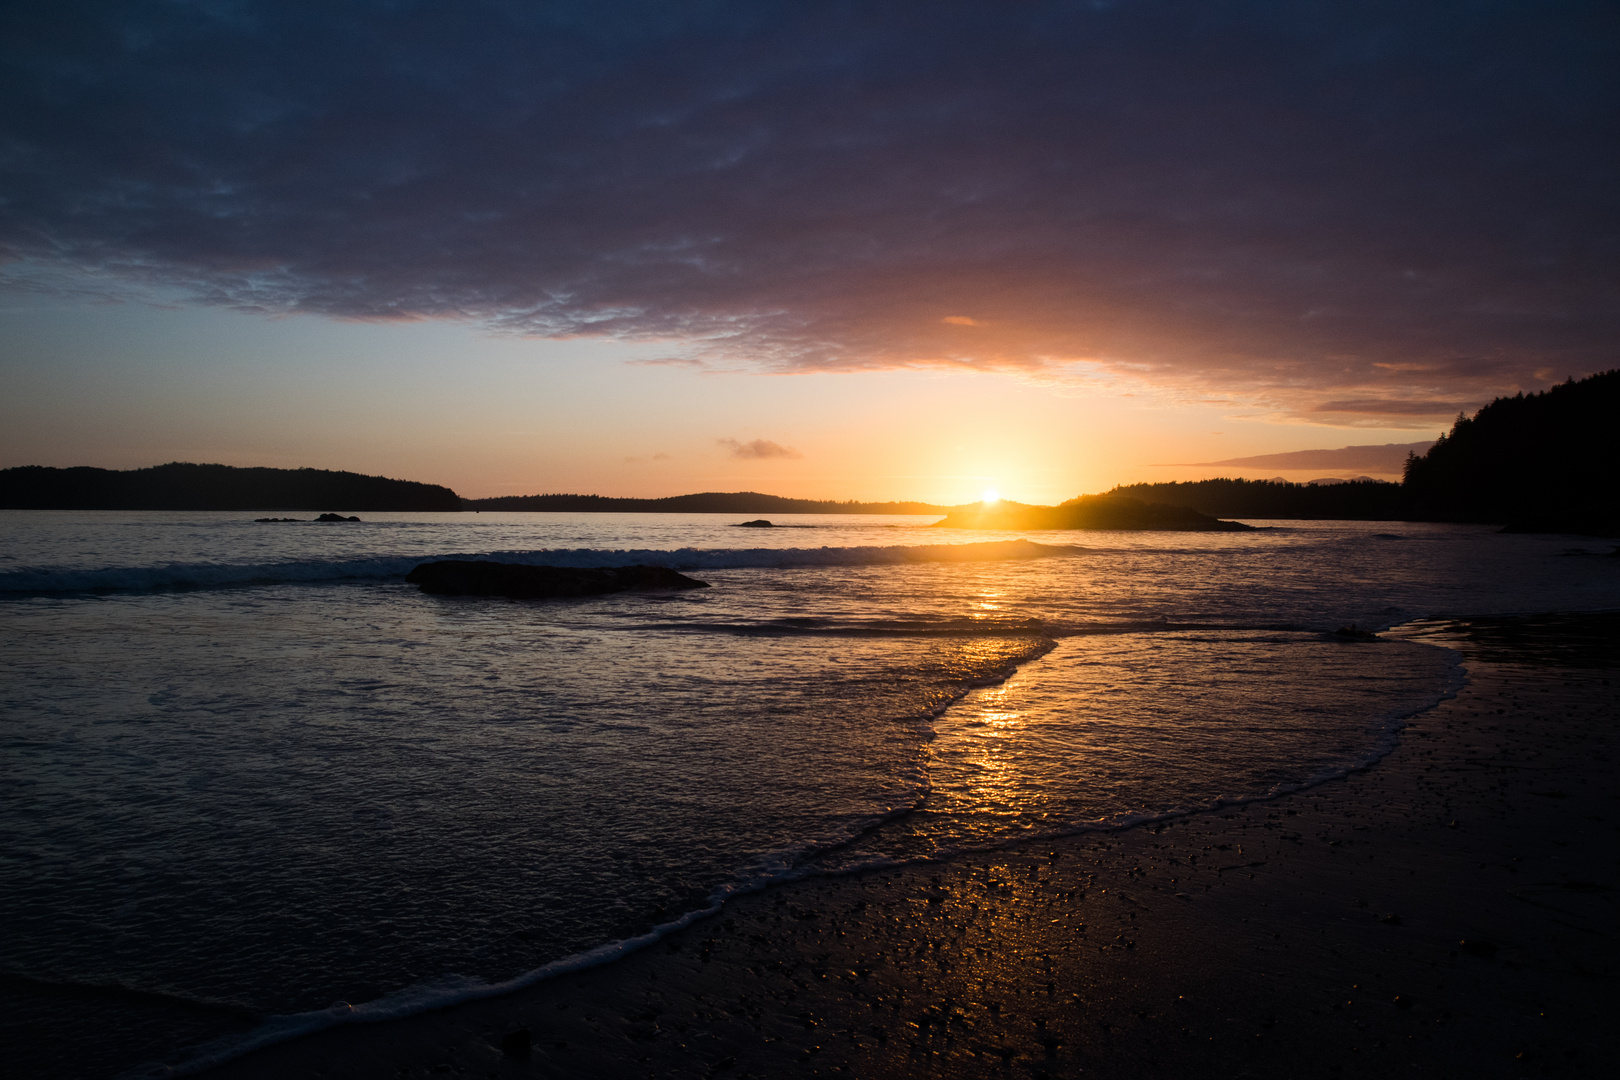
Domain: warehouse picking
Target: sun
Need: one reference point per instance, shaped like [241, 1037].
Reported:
[990, 495]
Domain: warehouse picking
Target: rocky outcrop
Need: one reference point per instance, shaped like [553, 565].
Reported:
[757, 523]
[468, 577]
[324, 517]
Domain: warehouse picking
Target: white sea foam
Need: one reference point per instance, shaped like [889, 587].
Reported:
[779, 869]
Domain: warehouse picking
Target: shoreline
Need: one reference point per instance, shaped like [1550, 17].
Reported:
[405, 1005]
[1133, 952]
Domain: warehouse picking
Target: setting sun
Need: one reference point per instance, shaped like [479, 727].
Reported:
[990, 495]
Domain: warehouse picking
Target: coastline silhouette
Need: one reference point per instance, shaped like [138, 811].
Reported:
[1533, 463]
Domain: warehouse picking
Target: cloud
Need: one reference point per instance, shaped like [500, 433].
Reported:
[1384, 407]
[1277, 201]
[758, 449]
[1390, 458]
[671, 361]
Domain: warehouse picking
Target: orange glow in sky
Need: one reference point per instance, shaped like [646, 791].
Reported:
[129, 386]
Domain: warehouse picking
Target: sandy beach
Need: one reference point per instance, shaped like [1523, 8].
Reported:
[1449, 911]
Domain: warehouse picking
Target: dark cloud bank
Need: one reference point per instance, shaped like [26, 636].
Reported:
[1367, 210]
[1388, 458]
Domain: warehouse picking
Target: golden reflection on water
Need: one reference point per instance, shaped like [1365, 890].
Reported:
[1104, 727]
[993, 757]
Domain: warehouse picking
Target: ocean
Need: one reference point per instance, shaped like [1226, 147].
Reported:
[254, 784]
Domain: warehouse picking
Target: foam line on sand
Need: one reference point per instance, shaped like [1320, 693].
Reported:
[1450, 911]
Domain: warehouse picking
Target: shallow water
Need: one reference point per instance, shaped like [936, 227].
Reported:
[248, 771]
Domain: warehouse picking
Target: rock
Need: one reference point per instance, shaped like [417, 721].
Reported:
[335, 517]
[1354, 633]
[468, 577]
[277, 519]
[757, 523]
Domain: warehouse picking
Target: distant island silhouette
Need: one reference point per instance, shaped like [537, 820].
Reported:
[181, 486]
[1364, 500]
[1541, 462]
[1088, 512]
[708, 502]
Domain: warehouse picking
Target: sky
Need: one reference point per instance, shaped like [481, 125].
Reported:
[832, 250]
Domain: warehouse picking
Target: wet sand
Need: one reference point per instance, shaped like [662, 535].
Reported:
[1450, 911]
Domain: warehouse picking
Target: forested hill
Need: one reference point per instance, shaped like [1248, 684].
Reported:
[181, 486]
[1548, 462]
[1364, 500]
[1545, 462]
[709, 502]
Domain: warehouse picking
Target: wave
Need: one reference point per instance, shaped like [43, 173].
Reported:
[181, 577]
[778, 869]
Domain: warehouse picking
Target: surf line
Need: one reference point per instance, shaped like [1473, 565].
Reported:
[450, 990]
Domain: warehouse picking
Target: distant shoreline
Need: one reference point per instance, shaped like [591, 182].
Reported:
[708, 502]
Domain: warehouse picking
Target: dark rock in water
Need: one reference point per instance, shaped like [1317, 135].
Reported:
[467, 577]
[1354, 633]
[757, 523]
[278, 519]
[517, 1043]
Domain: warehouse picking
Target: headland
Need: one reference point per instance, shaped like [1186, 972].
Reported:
[183, 486]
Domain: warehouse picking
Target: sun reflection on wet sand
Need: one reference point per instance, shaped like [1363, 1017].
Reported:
[1106, 727]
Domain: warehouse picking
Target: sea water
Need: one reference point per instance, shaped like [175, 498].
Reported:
[255, 784]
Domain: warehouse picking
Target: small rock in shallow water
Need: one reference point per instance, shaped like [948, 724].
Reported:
[757, 523]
